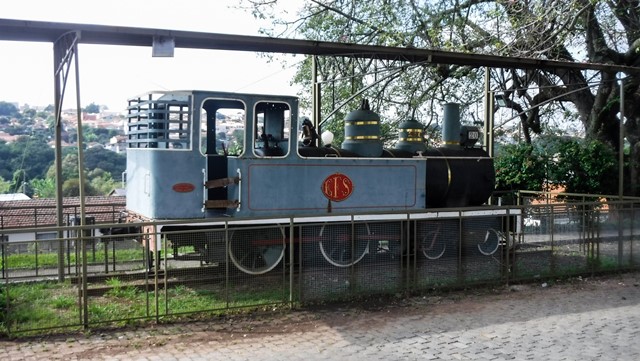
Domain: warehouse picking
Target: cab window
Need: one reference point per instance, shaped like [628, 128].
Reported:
[272, 122]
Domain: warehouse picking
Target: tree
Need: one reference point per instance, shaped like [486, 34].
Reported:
[92, 108]
[19, 183]
[44, 187]
[581, 166]
[8, 109]
[101, 181]
[106, 160]
[98, 180]
[567, 30]
[31, 154]
[6, 155]
[520, 167]
[71, 188]
[5, 186]
[585, 167]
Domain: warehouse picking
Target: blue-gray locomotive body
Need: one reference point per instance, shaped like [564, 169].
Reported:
[200, 154]
[207, 155]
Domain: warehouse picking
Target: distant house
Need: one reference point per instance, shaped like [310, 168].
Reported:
[13, 197]
[31, 214]
[118, 192]
[117, 144]
[90, 116]
[8, 137]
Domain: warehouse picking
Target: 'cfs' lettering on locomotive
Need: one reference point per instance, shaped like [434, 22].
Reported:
[337, 187]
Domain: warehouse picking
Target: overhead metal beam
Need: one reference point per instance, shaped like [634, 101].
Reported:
[39, 31]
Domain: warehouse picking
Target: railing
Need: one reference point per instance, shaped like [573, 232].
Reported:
[223, 265]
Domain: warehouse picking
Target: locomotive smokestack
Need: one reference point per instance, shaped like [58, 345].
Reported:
[362, 132]
[451, 125]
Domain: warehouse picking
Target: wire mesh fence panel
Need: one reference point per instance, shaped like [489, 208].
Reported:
[482, 250]
[532, 254]
[437, 252]
[259, 256]
[621, 229]
[118, 295]
[382, 268]
[330, 253]
[194, 262]
[38, 306]
[634, 235]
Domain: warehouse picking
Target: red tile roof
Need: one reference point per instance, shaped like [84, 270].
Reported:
[41, 212]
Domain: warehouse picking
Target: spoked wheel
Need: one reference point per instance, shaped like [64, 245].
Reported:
[339, 248]
[433, 246]
[256, 251]
[491, 242]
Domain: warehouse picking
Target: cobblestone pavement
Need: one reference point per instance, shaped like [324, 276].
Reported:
[578, 319]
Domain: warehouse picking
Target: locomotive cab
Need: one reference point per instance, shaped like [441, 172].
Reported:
[187, 149]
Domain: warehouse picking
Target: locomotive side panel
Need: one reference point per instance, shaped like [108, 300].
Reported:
[334, 185]
[165, 184]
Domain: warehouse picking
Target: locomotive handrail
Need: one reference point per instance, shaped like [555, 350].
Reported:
[239, 189]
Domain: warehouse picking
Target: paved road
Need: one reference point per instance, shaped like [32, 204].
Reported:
[579, 319]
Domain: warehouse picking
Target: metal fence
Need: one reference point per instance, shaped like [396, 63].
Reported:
[164, 270]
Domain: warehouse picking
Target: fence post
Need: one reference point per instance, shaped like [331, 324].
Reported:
[291, 261]
[620, 233]
[507, 245]
[631, 235]
[460, 250]
[4, 239]
[85, 296]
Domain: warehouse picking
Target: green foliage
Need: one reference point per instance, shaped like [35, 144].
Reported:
[38, 306]
[30, 159]
[100, 158]
[100, 165]
[8, 109]
[586, 166]
[119, 290]
[32, 155]
[44, 187]
[581, 166]
[18, 184]
[4, 186]
[520, 167]
[50, 259]
[101, 181]
[71, 188]
[63, 302]
[92, 108]
[99, 135]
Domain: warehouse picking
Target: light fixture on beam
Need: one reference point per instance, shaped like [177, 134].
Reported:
[163, 46]
[500, 100]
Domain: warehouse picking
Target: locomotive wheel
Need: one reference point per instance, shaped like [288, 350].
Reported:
[337, 246]
[256, 252]
[433, 246]
[432, 243]
[491, 242]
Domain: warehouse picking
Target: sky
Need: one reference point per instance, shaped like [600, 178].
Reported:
[109, 75]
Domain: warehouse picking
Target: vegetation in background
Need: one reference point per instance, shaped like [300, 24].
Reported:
[579, 165]
[539, 99]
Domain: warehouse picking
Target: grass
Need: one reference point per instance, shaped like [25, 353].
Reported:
[50, 259]
[35, 308]
[38, 306]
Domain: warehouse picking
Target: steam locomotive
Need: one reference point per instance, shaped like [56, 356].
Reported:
[207, 155]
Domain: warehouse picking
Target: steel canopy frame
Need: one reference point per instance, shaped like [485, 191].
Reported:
[40, 31]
